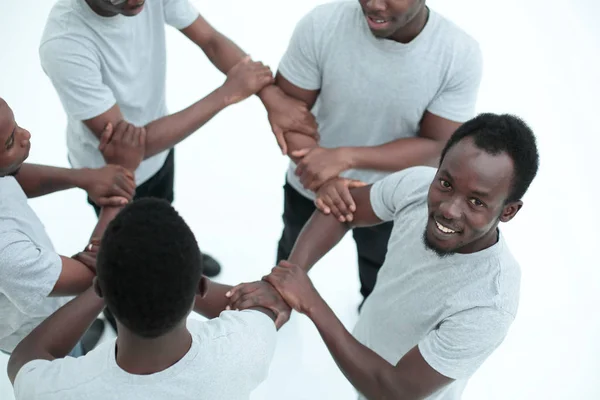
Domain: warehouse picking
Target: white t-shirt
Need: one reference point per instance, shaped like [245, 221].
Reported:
[374, 91]
[95, 62]
[456, 309]
[228, 359]
[29, 267]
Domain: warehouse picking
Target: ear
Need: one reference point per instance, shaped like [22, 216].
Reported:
[510, 210]
[202, 287]
[96, 286]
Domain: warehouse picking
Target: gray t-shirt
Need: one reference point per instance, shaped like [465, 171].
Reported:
[96, 62]
[229, 357]
[29, 267]
[456, 309]
[374, 91]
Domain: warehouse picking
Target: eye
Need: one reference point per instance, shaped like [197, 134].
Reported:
[10, 142]
[476, 202]
[445, 184]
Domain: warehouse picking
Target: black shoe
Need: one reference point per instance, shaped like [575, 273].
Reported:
[92, 336]
[212, 267]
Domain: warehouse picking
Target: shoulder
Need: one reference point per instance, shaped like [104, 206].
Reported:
[413, 180]
[454, 38]
[508, 280]
[247, 323]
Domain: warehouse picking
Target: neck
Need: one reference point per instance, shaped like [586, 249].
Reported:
[98, 10]
[488, 240]
[411, 30]
[142, 356]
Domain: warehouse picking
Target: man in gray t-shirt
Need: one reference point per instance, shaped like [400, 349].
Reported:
[33, 276]
[448, 290]
[388, 83]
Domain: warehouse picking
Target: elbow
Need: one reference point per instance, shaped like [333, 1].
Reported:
[389, 387]
[12, 368]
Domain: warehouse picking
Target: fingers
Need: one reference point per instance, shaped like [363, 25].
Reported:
[280, 137]
[301, 153]
[353, 184]
[142, 137]
[320, 204]
[126, 182]
[239, 291]
[114, 201]
[348, 199]
[333, 207]
[105, 136]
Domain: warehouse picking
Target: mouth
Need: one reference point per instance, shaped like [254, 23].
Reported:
[446, 230]
[378, 23]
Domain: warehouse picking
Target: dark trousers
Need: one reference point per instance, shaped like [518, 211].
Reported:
[371, 242]
[160, 185]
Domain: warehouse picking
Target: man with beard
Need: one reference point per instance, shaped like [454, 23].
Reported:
[448, 290]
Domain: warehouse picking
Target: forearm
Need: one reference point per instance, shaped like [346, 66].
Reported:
[166, 132]
[38, 180]
[370, 374]
[214, 302]
[320, 234]
[297, 141]
[58, 334]
[396, 155]
[107, 214]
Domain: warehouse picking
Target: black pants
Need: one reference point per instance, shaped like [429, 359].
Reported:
[160, 185]
[371, 242]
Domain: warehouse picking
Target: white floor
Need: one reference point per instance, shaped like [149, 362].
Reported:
[541, 62]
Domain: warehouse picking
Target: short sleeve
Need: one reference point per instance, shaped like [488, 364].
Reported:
[75, 73]
[28, 272]
[394, 192]
[301, 64]
[457, 99]
[179, 13]
[462, 342]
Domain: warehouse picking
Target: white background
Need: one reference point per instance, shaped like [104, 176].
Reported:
[541, 62]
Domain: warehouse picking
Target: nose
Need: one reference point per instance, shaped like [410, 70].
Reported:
[376, 5]
[450, 209]
[26, 135]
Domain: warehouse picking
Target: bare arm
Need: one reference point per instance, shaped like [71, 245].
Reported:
[408, 152]
[39, 180]
[323, 232]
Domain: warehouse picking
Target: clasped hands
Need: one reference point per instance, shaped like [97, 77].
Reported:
[287, 287]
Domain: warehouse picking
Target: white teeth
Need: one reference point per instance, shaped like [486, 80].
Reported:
[443, 228]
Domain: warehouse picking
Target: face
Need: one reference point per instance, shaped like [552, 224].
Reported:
[386, 17]
[14, 142]
[128, 8]
[467, 200]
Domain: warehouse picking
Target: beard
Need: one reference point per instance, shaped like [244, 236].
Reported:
[442, 253]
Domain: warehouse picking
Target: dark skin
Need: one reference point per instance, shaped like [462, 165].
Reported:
[469, 193]
[319, 168]
[244, 78]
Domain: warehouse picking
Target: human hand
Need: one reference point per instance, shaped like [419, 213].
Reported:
[246, 78]
[287, 114]
[259, 294]
[294, 285]
[111, 185]
[124, 144]
[88, 256]
[334, 197]
[319, 164]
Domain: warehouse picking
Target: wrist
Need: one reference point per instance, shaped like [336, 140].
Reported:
[348, 156]
[316, 310]
[80, 177]
[269, 94]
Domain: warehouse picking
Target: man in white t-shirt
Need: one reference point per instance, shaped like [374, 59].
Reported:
[149, 273]
[448, 290]
[34, 279]
[388, 82]
[107, 62]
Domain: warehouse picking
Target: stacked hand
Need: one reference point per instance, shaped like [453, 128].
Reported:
[246, 78]
[287, 114]
[88, 255]
[286, 287]
[334, 198]
[319, 165]
[123, 144]
[111, 185]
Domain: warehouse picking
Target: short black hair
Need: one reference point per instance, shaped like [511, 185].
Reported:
[149, 267]
[503, 133]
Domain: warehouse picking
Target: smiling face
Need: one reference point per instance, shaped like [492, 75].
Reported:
[467, 200]
[386, 17]
[14, 142]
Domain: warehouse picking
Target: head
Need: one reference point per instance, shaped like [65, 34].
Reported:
[149, 268]
[128, 8]
[485, 169]
[387, 17]
[14, 142]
